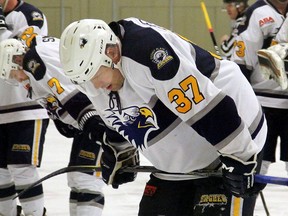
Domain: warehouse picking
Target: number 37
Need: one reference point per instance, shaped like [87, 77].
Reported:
[178, 96]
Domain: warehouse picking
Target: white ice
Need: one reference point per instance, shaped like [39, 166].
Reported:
[124, 201]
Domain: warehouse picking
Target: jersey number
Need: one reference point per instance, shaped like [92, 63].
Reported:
[241, 48]
[177, 95]
[55, 82]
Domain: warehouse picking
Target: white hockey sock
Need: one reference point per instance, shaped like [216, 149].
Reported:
[73, 209]
[33, 204]
[34, 207]
[86, 197]
[8, 208]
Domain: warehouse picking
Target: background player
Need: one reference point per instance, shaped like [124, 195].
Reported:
[235, 10]
[23, 122]
[70, 109]
[263, 20]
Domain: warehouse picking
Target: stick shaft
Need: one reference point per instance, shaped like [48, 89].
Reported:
[209, 26]
[264, 203]
[203, 173]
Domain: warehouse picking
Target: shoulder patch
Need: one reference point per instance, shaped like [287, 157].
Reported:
[33, 63]
[33, 15]
[160, 57]
[36, 16]
[151, 50]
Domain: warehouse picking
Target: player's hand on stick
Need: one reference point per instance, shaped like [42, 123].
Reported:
[271, 62]
[92, 126]
[238, 176]
[113, 160]
[66, 130]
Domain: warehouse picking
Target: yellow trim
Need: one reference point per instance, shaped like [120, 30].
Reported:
[98, 174]
[36, 144]
[236, 206]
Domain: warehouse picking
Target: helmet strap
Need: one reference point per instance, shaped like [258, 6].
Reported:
[5, 4]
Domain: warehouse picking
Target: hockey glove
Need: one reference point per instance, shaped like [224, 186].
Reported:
[271, 62]
[92, 126]
[238, 176]
[112, 161]
[3, 25]
[65, 129]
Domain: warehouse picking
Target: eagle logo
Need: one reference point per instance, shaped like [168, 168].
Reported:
[134, 124]
[83, 42]
[33, 65]
[52, 105]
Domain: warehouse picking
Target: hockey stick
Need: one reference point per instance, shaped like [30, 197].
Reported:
[264, 203]
[209, 26]
[87, 168]
[203, 173]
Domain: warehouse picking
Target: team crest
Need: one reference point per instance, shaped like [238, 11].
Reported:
[33, 65]
[160, 57]
[52, 105]
[133, 123]
[36, 16]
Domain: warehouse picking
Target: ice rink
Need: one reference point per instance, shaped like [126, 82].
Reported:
[124, 201]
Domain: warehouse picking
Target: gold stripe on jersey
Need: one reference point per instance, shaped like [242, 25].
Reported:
[213, 54]
[98, 174]
[236, 206]
[36, 141]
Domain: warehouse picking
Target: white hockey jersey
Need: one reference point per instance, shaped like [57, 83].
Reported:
[49, 85]
[179, 104]
[262, 22]
[14, 105]
[282, 35]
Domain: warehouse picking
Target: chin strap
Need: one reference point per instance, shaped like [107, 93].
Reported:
[5, 5]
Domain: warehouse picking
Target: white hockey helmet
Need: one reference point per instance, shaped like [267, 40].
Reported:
[82, 48]
[8, 49]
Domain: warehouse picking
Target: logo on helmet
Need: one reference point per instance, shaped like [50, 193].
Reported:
[101, 46]
[83, 42]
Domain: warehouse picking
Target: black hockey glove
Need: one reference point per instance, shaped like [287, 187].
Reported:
[238, 176]
[3, 25]
[92, 126]
[113, 160]
[65, 129]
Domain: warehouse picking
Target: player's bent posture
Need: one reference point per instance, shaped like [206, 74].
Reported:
[182, 107]
[23, 122]
[38, 69]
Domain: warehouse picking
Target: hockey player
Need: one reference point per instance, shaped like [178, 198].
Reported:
[71, 110]
[263, 21]
[23, 122]
[235, 10]
[179, 105]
